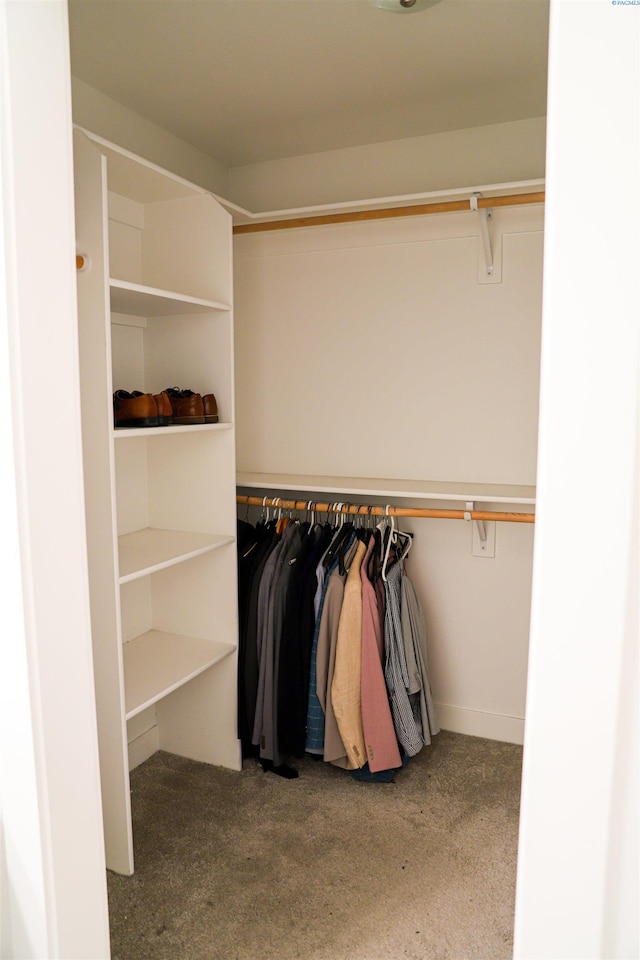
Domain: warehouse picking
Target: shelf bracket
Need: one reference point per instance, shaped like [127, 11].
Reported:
[485, 214]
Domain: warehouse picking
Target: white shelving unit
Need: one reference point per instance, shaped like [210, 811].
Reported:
[155, 312]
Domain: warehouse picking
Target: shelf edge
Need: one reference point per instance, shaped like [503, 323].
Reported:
[120, 432]
[377, 489]
[174, 561]
[225, 649]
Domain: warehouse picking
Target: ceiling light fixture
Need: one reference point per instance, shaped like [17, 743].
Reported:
[404, 6]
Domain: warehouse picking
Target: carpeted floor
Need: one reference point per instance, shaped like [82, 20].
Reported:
[248, 866]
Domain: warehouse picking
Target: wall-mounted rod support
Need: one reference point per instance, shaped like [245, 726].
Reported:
[367, 510]
[471, 514]
[485, 215]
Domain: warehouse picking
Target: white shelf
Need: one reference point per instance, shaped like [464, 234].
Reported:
[149, 550]
[161, 431]
[138, 300]
[157, 663]
[139, 179]
[243, 216]
[410, 489]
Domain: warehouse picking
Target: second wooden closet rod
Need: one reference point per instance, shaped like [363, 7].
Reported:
[379, 213]
[365, 510]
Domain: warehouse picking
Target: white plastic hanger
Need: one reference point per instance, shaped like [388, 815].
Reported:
[392, 524]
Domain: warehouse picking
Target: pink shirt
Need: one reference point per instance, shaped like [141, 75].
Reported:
[377, 723]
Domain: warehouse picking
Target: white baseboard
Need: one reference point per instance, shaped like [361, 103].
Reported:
[143, 747]
[477, 723]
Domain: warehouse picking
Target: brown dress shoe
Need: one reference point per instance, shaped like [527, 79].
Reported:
[165, 413]
[210, 408]
[187, 407]
[134, 409]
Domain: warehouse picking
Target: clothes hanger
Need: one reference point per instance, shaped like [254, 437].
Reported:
[343, 533]
[347, 530]
[389, 541]
[361, 524]
[408, 538]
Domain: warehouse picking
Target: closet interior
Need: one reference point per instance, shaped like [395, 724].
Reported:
[378, 361]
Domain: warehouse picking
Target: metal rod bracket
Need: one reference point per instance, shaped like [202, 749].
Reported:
[485, 215]
[480, 524]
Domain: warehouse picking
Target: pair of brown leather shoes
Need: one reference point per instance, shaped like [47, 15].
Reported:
[189, 407]
[141, 409]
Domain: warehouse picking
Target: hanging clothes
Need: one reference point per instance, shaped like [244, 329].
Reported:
[254, 546]
[332, 653]
[379, 733]
[267, 543]
[404, 690]
[314, 742]
[414, 626]
[345, 684]
[297, 640]
[268, 739]
[334, 749]
[262, 640]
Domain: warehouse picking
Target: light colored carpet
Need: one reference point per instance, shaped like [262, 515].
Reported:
[248, 866]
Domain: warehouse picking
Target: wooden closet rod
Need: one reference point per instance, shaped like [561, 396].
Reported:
[365, 510]
[445, 206]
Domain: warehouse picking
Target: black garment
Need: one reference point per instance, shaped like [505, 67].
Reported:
[253, 553]
[297, 641]
[287, 564]
[289, 673]
[247, 539]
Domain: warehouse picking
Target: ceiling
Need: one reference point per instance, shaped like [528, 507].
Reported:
[253, 80]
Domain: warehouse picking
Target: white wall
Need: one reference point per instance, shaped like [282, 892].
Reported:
[101, 115]
[499, 153]
[577, 891]
[53, 884]
[372, 350]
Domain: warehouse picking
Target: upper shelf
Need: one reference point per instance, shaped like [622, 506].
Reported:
[132, 176]
[413, 489]
[138, 300]
[243, 217]
[141, 180]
